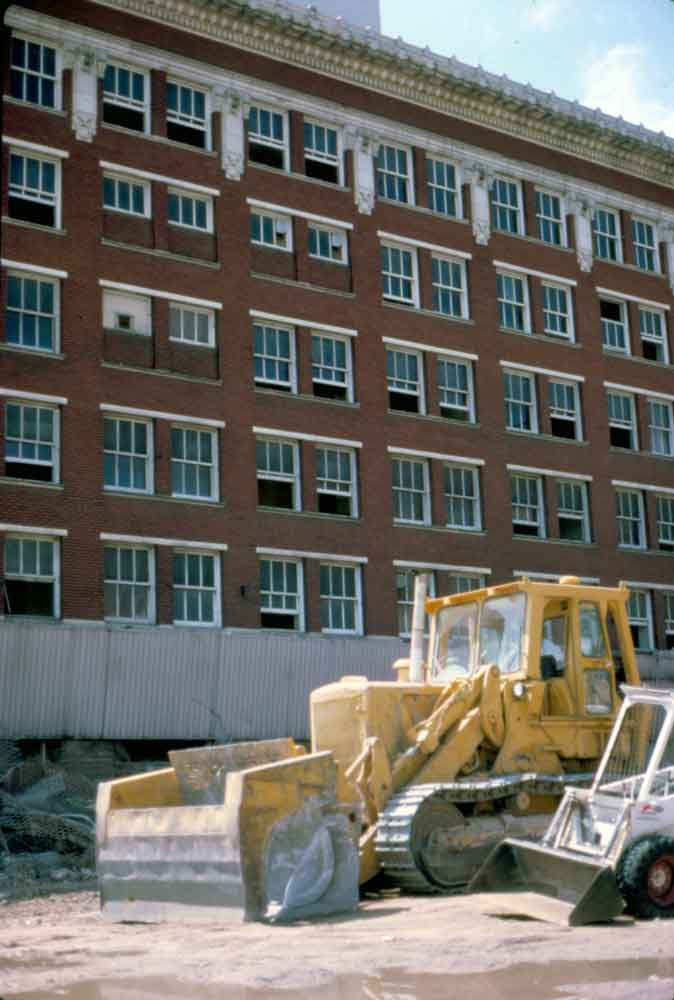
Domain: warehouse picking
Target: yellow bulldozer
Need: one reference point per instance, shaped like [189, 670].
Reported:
[413, 780]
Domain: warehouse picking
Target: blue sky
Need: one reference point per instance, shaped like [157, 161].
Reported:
[614, 54]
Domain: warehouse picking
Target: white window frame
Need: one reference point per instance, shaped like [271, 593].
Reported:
[181, 309]
[276, 383]
[357, 601]
[295, 480]
[299, 612]
[572, 514]
[258, 139]
[664, 519]
[55, 316]
[646, 248]
[539, 524]
[461, 583]
[498, 207]
[502, 300]
[647, 337]
[548, 311]
[149, 458]
[601, 234]
[384, 173]
[216, 588]
[640, 520]
[661, 431]
[132, 182]
[574, 415]
[150, 618]
[444, 189]
[420, 394]
[55, 464]
[352, 492]
[543, 219]
[54, 579]
[476, 501]
[58, 71]
[405, 605]
[131, 103]
[190, 121]
[54, 199]
[469, 408]
[317, 156]
[348, 360]
[439, 287]
[624, 323]
[633, 425]
[669, 613]
[183, 195]
[642, 621]
[424, 465]
[512, 401]
[337, 239]
[280, 224]
[214, 493]
[389, 296]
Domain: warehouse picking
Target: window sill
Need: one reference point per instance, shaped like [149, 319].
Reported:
[423, 210]
[310, 515]
[554, 541]
[630, 267]
[443, 528]
[37, 484]
[8, 99]
[636, 357]
[525, 238]
[164, 498]
[32, 352]
[54, 230]
[462, 320]
[542, 338]
[546, 437]
[434, 418]
[297, 177]
[161, 373]
[302, 284]
[632, 550]
[189, 229]
[137, 133]
[213, 265]
[326, 260]
[305, 397]
[641, 454]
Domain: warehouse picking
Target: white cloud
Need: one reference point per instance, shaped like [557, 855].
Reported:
[543, 13]
[616, 83]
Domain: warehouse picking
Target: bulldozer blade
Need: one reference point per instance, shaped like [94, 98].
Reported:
[580, 890]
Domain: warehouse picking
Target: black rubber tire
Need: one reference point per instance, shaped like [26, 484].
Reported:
[648, 857]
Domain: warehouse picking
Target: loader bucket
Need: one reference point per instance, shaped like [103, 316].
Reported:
[581, 890]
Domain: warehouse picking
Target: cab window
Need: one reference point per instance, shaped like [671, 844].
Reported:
[592, 641]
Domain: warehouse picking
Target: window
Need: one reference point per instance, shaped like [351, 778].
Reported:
[462, 498]
[128, 584]
[565, 416]
[189, 325]
[125, 98]
[336, 481]
[572, 511]
[31, 576]
[645, 245]
[506, 212]
[128, 196]
[269, 230]
[281, 594]
[31, 442]
[191, 212]
[33, 73]
[614, 328]
[640, 618]
[127, 455]
[442, 187]
[527, 506]
[631, 519]
[278, 474]
[405, 597]
[622, 421]
[328, 244]
[653, 336]
[194, 463]
[127, 313]
[461, 583]
[661, 427]
[321, 152]
[549, 219]
[664, 513]
[341, 608]
[455, 388]
[399, 274]
[34, 190]
[267, 137]
[411, 491]
[606, 231]
[449, 287]
[557, 312]
[394, 180]
[196, 589]
[405, 381]
[669, 621]
[32, 312]
[331, 373]
[274, 357]
[520, 402]
[186, 115]
[513, 303]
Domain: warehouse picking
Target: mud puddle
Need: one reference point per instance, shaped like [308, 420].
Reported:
[641, 979]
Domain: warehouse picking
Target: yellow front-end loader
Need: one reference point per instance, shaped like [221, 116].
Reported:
[413, 779]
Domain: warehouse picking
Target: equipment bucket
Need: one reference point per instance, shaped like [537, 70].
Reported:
[583, 889]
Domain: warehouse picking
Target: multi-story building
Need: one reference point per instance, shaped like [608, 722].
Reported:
[294, 310]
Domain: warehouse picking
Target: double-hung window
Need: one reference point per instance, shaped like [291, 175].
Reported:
[278, 473]
[557, 311]
[126, 95]
[606, 232]
[652, 330]
[128, 585]
[186, 112]
[191, 325]
[461, 583]
[336, 481]
[399, 274]
[565, 413]
[449, 287]
[196, 588]
[506, 206]
[190, 211]
[520, 402]
[268, 137]
[669, 620]
[34, 189]
[442, 185]
[32, 319]
[128, 455]
[340, 598]
[32, 576]
[622, 421]
[127, 313]
[121, 194]
[631, 519]
[645, 244]
[194, 463]
[664, 515]
[455, 389]
[394, 178]
[462, 497]
[411, 490]
[281, 594]
[513, 303]
[614, 325]
[274, 357]
[331, 371]
[549, 218]
[661, 427]
[269, 230]
[404, 377]
[405, 597]
[328, 244]
[31, 442]
[640, 618]
[322, 156]
[572, 511]
[527, 505]
[34, 74]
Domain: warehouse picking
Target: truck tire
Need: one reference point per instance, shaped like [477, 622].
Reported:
[645, 876]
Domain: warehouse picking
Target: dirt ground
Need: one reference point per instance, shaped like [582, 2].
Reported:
[412, 944]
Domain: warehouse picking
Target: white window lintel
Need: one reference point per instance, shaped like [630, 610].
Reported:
[301, 436]
[35, 397]
[36, 147]
[119, 286]
[556, 473]
[413, 452]
[133, 411]
[177, 543]
[298, 212]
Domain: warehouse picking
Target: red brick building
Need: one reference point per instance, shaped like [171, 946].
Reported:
[293, 310]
